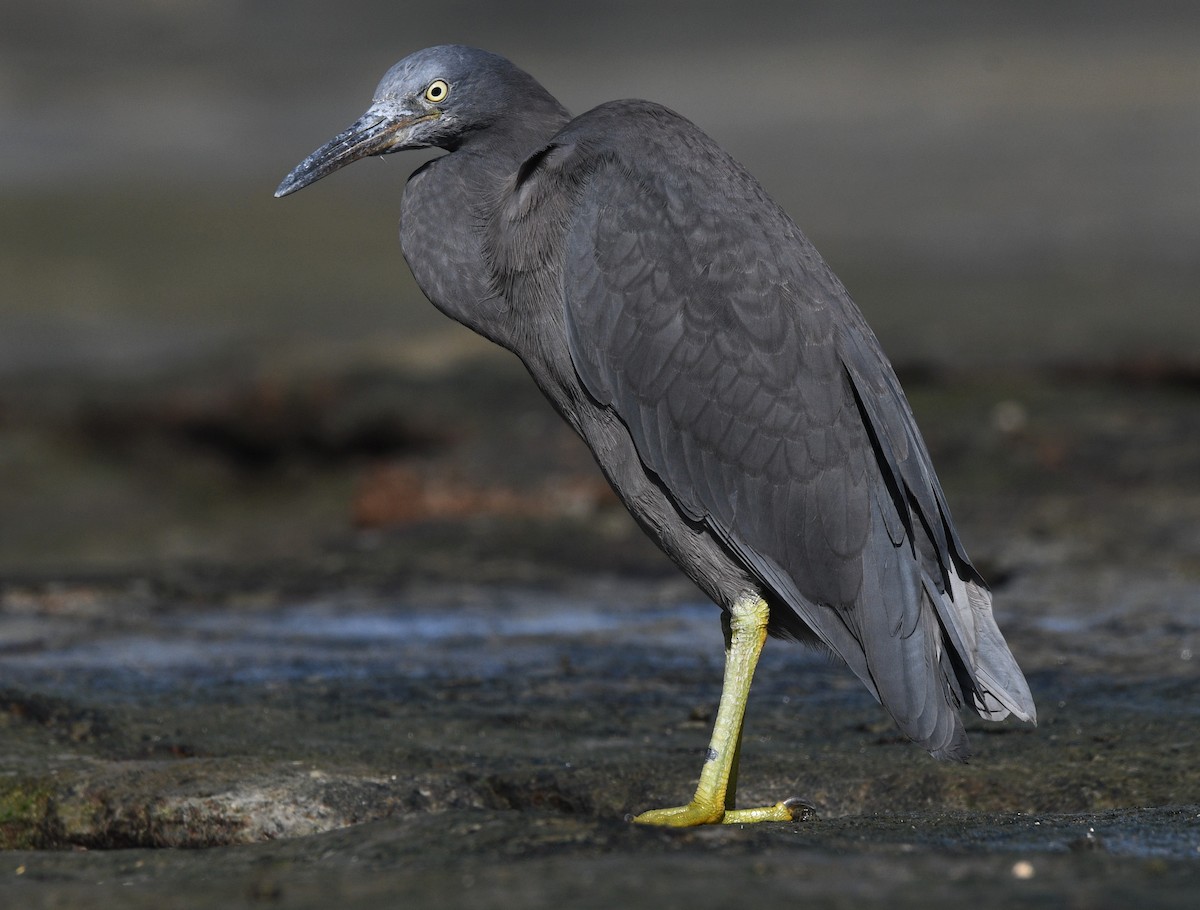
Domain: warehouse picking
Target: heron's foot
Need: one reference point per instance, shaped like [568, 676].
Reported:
[698, 813]
[790, 810]
[694, 813]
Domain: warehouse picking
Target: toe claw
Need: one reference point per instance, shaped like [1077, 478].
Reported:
[801, 810]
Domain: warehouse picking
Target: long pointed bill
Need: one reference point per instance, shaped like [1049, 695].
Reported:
[372, 134]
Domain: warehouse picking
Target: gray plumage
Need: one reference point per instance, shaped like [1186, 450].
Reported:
[731, 391]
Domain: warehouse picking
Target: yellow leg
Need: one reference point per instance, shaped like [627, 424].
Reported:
[745, 632]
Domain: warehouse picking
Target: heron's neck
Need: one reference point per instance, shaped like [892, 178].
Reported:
[512, 137]
[446, 203]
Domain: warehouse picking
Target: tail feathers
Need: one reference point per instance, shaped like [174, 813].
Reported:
[1001, 688]
[990, 678]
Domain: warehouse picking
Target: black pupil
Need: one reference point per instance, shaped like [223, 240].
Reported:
[435, 92]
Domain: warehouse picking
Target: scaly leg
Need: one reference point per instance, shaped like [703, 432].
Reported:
[745, 632]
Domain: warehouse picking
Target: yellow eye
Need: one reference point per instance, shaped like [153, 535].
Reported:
[437, 91]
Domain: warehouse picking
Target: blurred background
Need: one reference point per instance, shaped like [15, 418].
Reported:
[193, 370]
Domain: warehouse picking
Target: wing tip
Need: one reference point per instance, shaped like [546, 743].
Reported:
[995, 702]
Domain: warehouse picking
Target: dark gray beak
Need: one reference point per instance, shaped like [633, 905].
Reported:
[372, 134]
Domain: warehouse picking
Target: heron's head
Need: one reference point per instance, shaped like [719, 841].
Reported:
[439, 97]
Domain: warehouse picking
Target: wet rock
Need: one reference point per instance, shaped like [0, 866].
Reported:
[473, 703]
